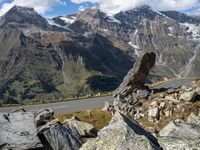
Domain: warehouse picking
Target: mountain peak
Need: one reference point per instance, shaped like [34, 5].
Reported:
[19, 15]
[23, 10]
[144, 7]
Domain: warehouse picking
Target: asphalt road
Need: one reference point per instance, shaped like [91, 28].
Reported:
[66, 107]
[175, 83]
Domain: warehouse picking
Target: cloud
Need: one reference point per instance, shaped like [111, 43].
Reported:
[41, 6]
[114, 6]
[195, 12]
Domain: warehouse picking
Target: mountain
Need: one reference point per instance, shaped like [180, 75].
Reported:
[38, 63]
[90, 51]
[21, 17]
[181, 17]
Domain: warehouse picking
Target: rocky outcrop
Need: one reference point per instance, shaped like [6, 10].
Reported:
[18, 131]
[132, 89]
[84, 129]
[44, 116]
[57, 137]
[180, 136]
[124, 134]
[137, 76]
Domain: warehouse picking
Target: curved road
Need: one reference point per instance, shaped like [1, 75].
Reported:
[67, 106]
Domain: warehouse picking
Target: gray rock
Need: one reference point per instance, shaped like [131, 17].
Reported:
[136, 77]
[167, 129]
[153, 112]
[180, 136]
[192, 118]
[122, 134]
[57, 137]
[44, 116]
[106, 106]
[84, 129]
[63, 138]
[142, 94]
[173, 143]
[18, 131]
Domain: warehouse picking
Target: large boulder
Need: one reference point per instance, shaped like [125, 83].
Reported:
[18, 131]
[137, 76]
[180, 136]
[84, 129]
[54, 136]
[44, 116]
[122, 134]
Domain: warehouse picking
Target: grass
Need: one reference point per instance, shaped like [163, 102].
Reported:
[96, 117]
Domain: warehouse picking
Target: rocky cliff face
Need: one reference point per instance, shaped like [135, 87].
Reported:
[103, 47]
[21, 17]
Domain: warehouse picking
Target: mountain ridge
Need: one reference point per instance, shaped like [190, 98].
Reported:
[43, 58]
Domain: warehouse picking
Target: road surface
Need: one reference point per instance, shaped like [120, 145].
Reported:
[67, 106]
[175, 83]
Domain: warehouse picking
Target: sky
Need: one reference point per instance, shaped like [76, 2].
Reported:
[51, 8]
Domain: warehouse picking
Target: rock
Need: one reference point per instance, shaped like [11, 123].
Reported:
[162, 95]
[171, 98]
[162, 105]
[173, 143]
[62, 138]
[136, 77]
[180, 136]
[181, 130]
[190, 96]
[172, 90]
[19, 109]
[142, 94]
[84, 129]
[18, 131]
[192, 118]
[44, 116]
[106, 106]
[48, 125]
[55, 136]
[197, 90]
[153, 112]
[153, 104]
[122, 134]
[168, 113]
[167, 129]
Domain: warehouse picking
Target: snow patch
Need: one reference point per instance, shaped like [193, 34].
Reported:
[52, 22]
[136, 31]
[113, 19]
[133, 45]
[170, 29]
[68, 20]
[137, 49]
[192, 29]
